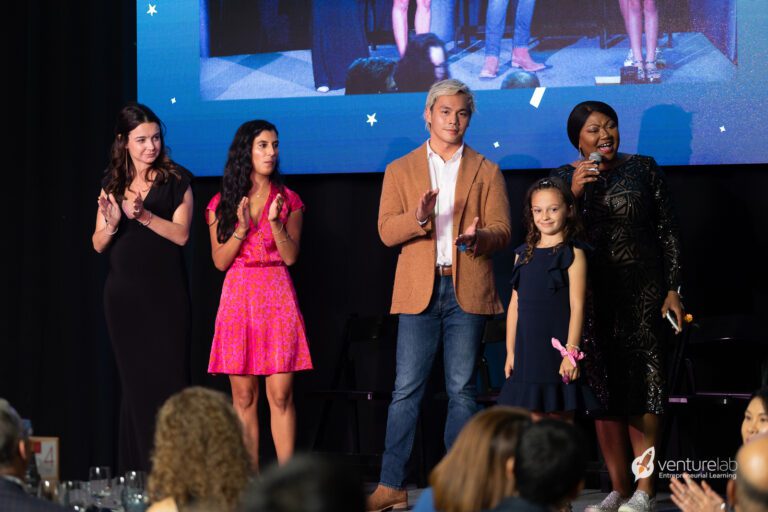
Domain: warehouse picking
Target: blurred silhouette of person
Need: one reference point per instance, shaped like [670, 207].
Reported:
[307, 483]
[371, 75]
[400, 21]
[423, 64]
[520, 80]
[495, 20]
[338, 38]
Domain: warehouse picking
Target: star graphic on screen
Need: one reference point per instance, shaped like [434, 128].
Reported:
[496, 144]
[722, 129]
[371, 119]
[173, 101]
[152, 10]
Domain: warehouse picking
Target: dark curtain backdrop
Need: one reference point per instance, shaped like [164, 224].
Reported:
[72, 66]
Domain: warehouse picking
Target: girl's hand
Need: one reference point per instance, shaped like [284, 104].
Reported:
[243, 217]
[509, 365]
[690, 497]
[568, 370]
[133, 208]
[586, 172]
[275, 208]
[110, 210]
[672, 302]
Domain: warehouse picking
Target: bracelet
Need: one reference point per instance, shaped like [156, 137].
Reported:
[145, 224]
[106, 230]
[576, 347]
[234, 234]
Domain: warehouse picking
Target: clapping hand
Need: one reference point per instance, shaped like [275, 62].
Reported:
[427, 205]
[243, 217]
[133, 208]
[692, 497]
[110, 210]
[468, 239]
[275, 208]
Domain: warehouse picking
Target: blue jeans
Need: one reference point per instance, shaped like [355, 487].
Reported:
[441, 22]
[418, 339]
[495, 20]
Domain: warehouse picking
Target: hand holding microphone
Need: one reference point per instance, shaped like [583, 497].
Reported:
[586, 173]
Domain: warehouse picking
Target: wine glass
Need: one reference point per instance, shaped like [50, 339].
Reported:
[134, 496]
[99, 478]
[47, 490]
[75, 494]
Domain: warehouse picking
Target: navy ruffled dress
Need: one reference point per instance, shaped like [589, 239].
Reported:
[543, 313]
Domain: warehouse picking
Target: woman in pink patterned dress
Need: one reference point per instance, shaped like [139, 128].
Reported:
[255, 227]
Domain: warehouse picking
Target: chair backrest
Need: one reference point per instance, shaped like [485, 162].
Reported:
[369, 352]
[727, 354]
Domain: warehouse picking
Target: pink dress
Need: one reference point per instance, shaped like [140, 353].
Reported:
[259, 328]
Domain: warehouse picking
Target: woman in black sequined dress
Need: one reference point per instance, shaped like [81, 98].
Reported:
[634, 274]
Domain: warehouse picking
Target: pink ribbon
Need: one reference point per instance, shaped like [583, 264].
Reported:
[572, 356]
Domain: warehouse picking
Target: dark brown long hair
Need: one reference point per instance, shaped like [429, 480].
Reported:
[121, 170]
[473, 474]
[572, 229]
[236, 182]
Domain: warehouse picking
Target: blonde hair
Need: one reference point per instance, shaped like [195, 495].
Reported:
[449, 87]
[199, 454]
[473, 475]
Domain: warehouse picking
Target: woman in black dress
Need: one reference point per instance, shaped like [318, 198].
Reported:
[143, 219]
[635, 276]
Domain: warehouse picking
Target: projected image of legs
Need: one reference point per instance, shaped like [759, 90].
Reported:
[271, 49]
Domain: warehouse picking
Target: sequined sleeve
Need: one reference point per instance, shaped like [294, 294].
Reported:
[667, 227]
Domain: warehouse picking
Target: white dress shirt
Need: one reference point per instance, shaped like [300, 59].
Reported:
[443, 175]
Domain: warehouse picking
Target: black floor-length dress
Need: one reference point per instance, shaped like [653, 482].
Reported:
[146, 304]
[631, 224]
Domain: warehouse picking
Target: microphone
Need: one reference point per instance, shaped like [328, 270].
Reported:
[589, 187]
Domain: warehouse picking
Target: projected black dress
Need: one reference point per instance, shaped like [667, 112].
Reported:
[636, 261]
[146, 304]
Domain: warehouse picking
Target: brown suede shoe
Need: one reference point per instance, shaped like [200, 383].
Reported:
[386, 498]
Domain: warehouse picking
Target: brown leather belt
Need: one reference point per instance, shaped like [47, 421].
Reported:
[444, 270]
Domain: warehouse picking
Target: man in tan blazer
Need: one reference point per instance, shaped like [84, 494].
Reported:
[446, 206]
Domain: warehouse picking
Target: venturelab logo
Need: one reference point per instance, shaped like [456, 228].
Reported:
[644, 466]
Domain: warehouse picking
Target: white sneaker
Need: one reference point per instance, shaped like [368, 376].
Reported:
[639, 502]
[610, 503]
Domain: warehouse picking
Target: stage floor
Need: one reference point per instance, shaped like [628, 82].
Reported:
[573, 62]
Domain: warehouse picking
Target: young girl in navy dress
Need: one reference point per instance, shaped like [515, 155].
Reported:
[546, 313]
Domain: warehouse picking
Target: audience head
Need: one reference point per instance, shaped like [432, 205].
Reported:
[424, 63]
[520, 80]
[199, 455]
[749, 491]
[476, 474]
[13, 442]
[756, 415]
[306, 483]
[370, 75]
[550, 463]
[592, 124]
